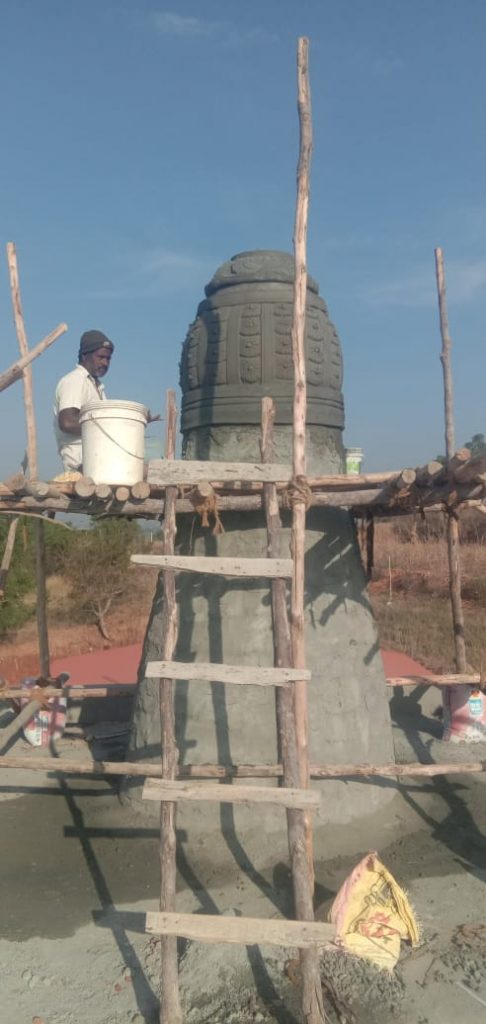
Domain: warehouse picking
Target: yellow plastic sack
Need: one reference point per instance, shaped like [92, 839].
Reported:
[372, 914]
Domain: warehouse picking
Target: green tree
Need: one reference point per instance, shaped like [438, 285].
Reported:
[21, 576]
[477, 444]
[96, 566]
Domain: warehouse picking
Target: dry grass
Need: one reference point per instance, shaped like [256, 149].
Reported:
[410, 597]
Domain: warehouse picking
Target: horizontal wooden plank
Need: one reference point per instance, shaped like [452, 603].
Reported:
[165, 789]
[182, 472]
[246, 567]
[245, 931]
[250, 675]
[435, 680]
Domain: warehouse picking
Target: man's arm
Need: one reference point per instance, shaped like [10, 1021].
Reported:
[68, 420]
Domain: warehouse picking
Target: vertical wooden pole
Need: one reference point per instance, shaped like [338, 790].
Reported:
[302, 879]
[300, 403]
[312, 1005]
[453, 545]
[39, 540]
[170, 1006]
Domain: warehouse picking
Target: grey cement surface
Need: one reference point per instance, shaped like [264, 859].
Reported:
[79, 871]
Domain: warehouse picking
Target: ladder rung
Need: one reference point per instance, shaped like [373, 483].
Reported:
[249, 567]
[251, 675]
[246, 931]
[178, 472]
[171, 791]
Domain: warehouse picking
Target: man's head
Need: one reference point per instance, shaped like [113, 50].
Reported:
[95, 352]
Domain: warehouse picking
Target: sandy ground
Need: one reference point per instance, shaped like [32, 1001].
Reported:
[78, 874]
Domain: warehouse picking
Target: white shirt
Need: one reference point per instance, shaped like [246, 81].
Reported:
[73, 391]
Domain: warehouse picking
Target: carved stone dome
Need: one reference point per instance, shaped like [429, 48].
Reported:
[239, 347]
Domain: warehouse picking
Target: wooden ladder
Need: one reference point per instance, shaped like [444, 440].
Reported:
[295, 796]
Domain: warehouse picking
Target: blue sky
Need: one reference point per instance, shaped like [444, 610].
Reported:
[144, 144]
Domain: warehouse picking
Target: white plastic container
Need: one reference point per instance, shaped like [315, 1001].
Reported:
[464, 714]
[113, 435]
[354, 458]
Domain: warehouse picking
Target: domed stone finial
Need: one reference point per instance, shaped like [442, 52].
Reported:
[239, 348]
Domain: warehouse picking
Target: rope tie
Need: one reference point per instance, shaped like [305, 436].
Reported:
[205, 503]
[298, 490]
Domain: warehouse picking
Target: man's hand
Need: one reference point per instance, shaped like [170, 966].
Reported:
[153, 419]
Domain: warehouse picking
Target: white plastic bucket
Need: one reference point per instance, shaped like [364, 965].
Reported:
[354, 458]
[112, 435]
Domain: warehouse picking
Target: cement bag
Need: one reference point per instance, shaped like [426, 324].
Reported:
[372, 914]
[48, 722]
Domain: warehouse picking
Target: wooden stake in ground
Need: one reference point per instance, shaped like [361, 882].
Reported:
[170, 1006]
[312, 1003]
[453, 548]
[41, 605]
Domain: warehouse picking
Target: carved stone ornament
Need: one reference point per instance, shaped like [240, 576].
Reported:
[239, 347]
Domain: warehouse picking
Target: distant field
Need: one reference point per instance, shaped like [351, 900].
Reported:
[409, 592]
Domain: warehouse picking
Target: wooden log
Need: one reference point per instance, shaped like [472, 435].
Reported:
[244, 931]
[435, 680]
[15, 484]
[122, 493]
[140, 490]
[7, 555]
[103, 492]
[457, 460]
[66, 766]
[471, 471]
[302, 878]
[430, 473]
[85, 487]
[170, 1004]
[184, 472]
[405, 479]
[163, 789]
[211, 672]
[216, 566]
[16, 370]
[72, 693]
[36, 488]
[39, 540]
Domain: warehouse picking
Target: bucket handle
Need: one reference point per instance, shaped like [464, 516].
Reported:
[97, 423]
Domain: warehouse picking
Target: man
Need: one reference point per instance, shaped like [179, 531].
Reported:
[75, 389]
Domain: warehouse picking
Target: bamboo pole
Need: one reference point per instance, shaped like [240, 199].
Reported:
[302, 877]
[15, 371]
[66, 766]
[170, 1006]
[453, 544]
[7, 555]
[312, 999]
[39, 540]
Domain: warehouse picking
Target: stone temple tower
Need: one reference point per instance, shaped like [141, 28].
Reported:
[236, 351]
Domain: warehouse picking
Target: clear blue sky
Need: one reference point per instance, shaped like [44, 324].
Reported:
[144, 144]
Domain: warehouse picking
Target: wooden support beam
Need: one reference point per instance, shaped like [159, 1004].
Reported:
[474, 679]
[163, 789]
[211, 672]
[66, 766]
[103, 492]
[141, 490]
[170, 1003]
[216, 566]
[244, 931]
[471, 471]
[72, 693]
[39, 540]
[15, 371]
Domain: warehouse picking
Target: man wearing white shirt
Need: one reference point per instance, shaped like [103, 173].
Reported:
[75, 389]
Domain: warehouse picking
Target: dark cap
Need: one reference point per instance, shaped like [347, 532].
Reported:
[93, 340]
